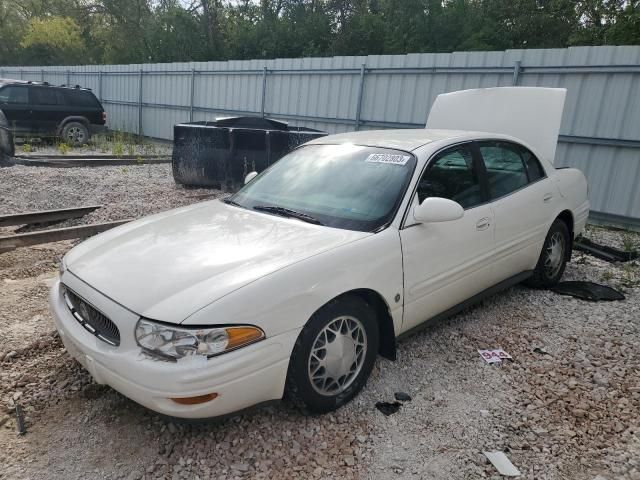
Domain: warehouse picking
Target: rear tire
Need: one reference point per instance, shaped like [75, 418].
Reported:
[553, 258]
[75, 134]
[333, 355]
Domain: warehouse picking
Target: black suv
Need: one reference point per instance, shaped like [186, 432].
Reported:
[43, 110]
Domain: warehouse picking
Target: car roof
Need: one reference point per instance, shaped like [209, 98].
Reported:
[402, 139]
[10, 81]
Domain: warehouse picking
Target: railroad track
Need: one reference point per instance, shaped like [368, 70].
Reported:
[86, 161]
[47, 217]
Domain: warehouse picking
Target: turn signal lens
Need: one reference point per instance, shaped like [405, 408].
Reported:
[207, 397]
[238, 336]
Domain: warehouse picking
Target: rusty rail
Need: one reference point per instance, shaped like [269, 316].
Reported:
[45, 216]
[11, 242]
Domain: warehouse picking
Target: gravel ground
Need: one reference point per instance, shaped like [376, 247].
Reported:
[566, 407]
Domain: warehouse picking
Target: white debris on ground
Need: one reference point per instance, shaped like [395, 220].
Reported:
[569, 413]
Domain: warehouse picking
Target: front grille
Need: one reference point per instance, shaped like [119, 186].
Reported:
[92, 319]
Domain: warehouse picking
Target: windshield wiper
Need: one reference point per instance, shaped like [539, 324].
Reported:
[229, 201]
[287, 212]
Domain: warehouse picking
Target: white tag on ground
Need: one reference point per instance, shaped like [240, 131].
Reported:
[502, 464]
[494, 356]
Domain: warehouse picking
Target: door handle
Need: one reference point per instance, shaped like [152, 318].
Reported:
[547, 197]
[483, 224]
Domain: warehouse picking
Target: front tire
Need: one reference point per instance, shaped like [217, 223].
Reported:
[553, 258]
[333, 355]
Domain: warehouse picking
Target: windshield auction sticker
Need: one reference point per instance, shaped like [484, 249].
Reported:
[388, 158]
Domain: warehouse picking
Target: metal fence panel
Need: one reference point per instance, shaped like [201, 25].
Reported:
[599, 133]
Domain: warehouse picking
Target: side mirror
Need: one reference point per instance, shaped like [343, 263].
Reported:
[436, 209]
[250, 176]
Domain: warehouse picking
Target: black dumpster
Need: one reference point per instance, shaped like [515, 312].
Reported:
[7, 149]
[221, 153]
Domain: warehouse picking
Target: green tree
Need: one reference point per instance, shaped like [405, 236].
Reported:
[53, 41]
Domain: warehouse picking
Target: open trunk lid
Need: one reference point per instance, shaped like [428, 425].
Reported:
[531, 114]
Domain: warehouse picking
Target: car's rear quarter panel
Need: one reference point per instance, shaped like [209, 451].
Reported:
[573, 189]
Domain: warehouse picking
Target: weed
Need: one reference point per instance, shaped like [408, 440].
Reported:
[117, 149]
[124, 170]
[629, 278]
[131, 150]
[606, 275]
[63, 148]
[629, 242]
[26, 148]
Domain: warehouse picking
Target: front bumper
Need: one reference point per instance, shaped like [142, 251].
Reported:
[242, 378]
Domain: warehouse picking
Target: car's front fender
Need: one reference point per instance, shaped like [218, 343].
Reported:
[285, 300]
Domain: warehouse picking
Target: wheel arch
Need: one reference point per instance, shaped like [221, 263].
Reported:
[387, 346]
[76, 118]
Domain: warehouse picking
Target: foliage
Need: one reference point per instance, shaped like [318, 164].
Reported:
[53, 40]
[117, 149]
[47, 32]
[63, 148]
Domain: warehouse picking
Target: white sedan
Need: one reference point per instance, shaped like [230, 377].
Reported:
[293, 285]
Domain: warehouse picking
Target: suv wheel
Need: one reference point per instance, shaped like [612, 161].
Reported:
[333, 355]
[75, 134]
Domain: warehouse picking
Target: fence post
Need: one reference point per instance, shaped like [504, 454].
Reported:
[193, 86]
[516, 72]
[363, 72]
[68, 78]
[264, 89]
[42, 75]
[100, 85]
[20, 74]
[140, 103]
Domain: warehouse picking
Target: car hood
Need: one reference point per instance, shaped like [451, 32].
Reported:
[168, 266]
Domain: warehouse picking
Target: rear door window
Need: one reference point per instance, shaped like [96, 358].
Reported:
[506, 171]
[534, 168]
[14, 94]
[43, 96]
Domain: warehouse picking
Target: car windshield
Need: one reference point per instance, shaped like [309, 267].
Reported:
[342, 186]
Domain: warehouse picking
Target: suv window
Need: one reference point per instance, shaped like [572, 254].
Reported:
[453, 175]
[43, 96]
[506, 172]
[14, 94]
[80, 98]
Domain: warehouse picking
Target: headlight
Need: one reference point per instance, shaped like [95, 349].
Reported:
[176, 342]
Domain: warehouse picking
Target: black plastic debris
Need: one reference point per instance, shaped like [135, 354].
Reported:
[388, 408]
[20, 426]
[540, 350]
[603, 252]
[588, 291]
[7, 147]
[221, 153]
[402, 397]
